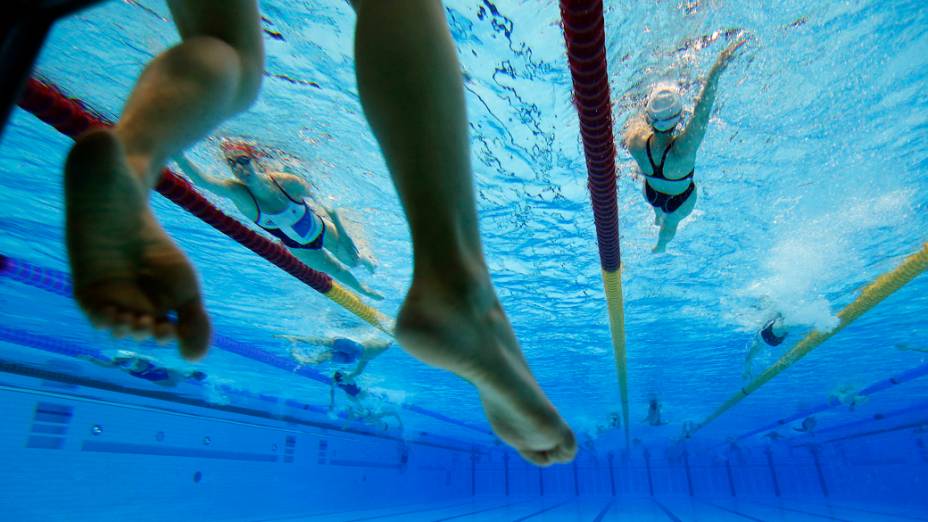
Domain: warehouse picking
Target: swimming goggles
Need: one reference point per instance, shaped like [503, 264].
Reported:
[240, 160]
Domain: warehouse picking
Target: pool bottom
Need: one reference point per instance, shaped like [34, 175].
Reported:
[76, 449]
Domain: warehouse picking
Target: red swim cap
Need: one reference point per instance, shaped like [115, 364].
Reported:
[231, 147]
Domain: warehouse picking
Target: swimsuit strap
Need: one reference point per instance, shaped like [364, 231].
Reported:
[657, 171]
[298, 202]
[647, 147]
[666, 151]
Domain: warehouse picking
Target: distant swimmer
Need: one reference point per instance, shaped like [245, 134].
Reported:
[771, 335]
[848, 395]
[905, 347]
[144, 367]
[654, 417]
[337, 350]
[669, 185]
[285, 206]
[364, 406]
[807, 426]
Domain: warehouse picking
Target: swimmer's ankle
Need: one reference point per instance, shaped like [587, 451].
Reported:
[453, 274]
[142, 161]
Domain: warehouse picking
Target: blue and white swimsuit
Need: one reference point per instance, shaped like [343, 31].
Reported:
[297, 226]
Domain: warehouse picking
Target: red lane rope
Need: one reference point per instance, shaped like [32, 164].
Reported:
[72, 117]
[586, 53]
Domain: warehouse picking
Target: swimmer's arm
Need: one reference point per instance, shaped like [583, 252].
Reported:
[377, 346]
[318, 341]
[362, 364]
[332, 395]
[372, 349]
[104, 363]
[691, 138]
[225, 188]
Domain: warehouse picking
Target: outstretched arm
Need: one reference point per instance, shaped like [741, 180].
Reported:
[691, 138]
[308, 339]
[221, 187]
[372, 349]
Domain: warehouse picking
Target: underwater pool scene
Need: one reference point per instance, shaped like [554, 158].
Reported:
[770, 365]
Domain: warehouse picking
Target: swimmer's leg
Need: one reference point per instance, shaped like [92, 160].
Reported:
[348, 247]
[128, 274]
[671, 221]
[410, 84]
[323, 261]
[754, 351]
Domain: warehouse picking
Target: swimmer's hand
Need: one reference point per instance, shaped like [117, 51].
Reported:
[726, 56]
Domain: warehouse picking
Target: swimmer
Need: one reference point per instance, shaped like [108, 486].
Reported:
[904, 347]
[807, 426]
[144, 367]
[339, 350]
[614, 422]
[669, 185]
[654, 413]
[772, 334]
[129, 277]
[284, 206]
[848, 396]
[359, 399]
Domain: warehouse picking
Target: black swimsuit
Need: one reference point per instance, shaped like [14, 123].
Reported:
[666, 202]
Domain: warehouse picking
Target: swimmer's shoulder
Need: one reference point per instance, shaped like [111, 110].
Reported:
[635, 142]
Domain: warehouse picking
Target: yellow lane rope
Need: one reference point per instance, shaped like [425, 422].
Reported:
[875, 292]
[612, 283]
[351, 302]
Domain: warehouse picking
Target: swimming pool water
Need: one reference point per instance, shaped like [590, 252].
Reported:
[812, 183]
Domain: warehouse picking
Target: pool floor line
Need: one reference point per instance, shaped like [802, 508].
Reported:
[667, 511]
[469, 513]
[794, 510]
[412, 512]
[729, 510]
[602, 513]
[881, 513]
[338, 512]
[545, 510]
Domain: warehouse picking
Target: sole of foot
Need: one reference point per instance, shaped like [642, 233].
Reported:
[467, 333]
[128, 275]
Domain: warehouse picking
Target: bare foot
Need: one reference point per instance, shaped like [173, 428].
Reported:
[368, 262]
[465, 330]
[371, 293]
[128, 275]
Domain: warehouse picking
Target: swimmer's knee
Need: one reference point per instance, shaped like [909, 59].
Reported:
[219, 64]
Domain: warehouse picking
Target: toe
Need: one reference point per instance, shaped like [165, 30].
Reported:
[163, 330]
[193, 329]
[538, 458]
[142, 326]
[567, 449]
[102, 317]
[123, 323]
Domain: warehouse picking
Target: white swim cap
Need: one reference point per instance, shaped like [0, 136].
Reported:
[665, 107]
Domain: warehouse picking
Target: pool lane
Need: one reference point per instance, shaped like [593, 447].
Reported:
[887, 513]
[784, 511]
[605, 509]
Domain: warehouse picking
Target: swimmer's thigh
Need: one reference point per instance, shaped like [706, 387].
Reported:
[685, 209]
